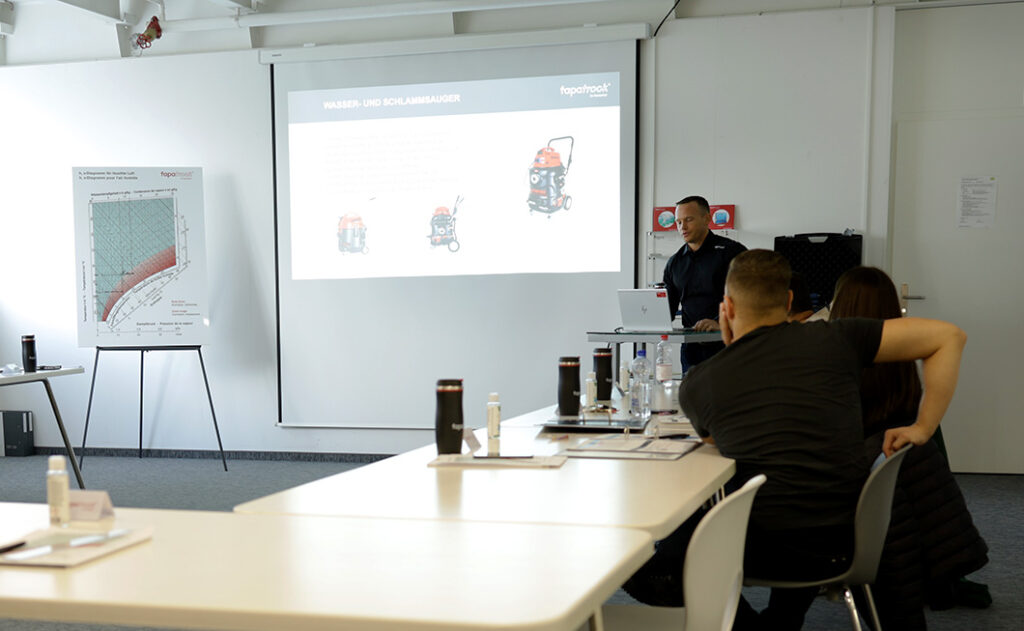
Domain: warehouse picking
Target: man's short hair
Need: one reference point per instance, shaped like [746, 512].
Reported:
[758, 281]
[700, 201]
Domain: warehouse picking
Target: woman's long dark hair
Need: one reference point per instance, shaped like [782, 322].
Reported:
[891, 392]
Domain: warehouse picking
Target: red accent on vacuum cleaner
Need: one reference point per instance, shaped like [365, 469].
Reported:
[352, 234]
[442, 227]
[547, 179]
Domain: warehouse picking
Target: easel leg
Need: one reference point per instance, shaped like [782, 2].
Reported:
[88, 408]
[64, 434]
[212, 413]
[142, 368]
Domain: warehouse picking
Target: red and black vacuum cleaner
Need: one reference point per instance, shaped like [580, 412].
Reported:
[352, 234]
[547, 179]
[442, 227]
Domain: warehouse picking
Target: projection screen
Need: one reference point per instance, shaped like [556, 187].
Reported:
[462, 214]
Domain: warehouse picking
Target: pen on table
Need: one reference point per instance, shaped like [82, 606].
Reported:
[12, 546]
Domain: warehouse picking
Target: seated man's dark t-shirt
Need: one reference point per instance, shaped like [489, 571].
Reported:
[784, 401]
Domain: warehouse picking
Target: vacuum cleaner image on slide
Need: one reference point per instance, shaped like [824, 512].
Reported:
[442, 227]
[352, 234]
[547, 179]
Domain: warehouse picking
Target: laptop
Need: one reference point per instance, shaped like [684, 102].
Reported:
[604, 424]
[645, 310]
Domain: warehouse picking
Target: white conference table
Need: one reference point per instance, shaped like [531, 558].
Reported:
[655, 497]
[210, 570]
[43, 376]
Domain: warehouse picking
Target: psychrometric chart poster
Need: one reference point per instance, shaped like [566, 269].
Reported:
[140, 256]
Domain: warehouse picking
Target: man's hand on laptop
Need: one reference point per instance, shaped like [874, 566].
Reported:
[707, 324]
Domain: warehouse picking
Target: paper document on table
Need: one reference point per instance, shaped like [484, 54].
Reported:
[68, 547]
[632, 447]
[467, 460]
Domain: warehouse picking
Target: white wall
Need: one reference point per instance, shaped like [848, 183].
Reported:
[213, 110]
[784, 115]
[959, 112]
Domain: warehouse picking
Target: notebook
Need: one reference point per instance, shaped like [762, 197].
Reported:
[645, 310]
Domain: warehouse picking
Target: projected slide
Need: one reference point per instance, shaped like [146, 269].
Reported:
[505, 176]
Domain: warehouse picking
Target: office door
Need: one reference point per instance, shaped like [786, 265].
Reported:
[972, 276]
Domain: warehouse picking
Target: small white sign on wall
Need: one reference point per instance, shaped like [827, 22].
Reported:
[976, 202]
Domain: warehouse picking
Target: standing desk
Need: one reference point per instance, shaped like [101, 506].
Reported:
[650, 337]
[44, 377]
[212, 570]
[655, 497]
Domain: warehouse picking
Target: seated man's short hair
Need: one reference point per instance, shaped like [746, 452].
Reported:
[758, 281]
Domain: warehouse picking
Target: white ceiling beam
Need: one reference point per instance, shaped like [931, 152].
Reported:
[109, 10]
[402, 9]
[244, 5]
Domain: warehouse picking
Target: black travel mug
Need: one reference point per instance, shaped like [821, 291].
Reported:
[28, 352]
[568, 386]
[448, 423]
[603, 370]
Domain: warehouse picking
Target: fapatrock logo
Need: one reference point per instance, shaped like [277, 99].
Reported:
[593, 91]
[185, 175]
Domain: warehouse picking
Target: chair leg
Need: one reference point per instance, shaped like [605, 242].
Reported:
[854, 616]
[596, 622]
[871, 605]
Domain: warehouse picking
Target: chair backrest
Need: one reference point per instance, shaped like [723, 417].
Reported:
[713, 570]
[871, 523]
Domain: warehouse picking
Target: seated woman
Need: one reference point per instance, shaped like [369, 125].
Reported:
[932, 541]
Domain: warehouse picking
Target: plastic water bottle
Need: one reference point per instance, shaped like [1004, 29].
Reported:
[493, 424]
[591, 389]
[640, 389]
[663, 361]
[57, 492]
[493, 416]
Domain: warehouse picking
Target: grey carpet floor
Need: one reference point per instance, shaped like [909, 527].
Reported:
[201, 484]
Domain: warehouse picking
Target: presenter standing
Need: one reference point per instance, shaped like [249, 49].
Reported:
[695, 275]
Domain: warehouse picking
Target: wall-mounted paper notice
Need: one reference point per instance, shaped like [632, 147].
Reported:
[976, 202]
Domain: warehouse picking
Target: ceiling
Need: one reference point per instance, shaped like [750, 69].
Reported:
[44, 31]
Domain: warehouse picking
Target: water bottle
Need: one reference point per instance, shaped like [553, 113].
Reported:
[448, 421]
[28, 352]
[640, 389]
[493, 425]
[493, 416]
[57, 492]
[663, 361]
[569, 386]
[591, 389]
[603, 370]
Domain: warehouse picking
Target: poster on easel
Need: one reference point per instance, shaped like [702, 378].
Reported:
[140, 256]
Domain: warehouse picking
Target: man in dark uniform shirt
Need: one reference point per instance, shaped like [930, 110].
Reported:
[695, 275]
[783, 399]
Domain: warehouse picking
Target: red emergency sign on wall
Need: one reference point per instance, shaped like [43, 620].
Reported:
[664, 218]
[723, 217]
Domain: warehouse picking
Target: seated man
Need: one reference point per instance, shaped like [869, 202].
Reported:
[783, 399]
